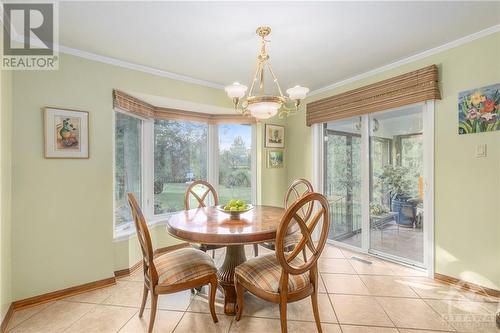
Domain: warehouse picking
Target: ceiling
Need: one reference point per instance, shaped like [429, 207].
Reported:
[312, 43]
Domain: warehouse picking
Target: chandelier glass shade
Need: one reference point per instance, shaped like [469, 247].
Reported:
[260, 105]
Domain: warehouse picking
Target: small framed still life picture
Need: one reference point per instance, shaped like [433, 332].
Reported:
[275, 159]
[66, 133]
[274, 136]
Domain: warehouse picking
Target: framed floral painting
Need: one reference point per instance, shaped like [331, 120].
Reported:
[479, 110]
[66, 133]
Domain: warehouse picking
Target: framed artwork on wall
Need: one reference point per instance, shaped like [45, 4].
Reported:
[479, 110]
[66, 133]
[275, 159]
[274, 136]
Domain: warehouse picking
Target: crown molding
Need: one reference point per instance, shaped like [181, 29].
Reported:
[415, 57]
[122, 63]
[179, 77]
[137, 67]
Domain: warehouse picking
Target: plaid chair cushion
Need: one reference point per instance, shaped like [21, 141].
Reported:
[183, 265]
[289, 243]
[265, 273]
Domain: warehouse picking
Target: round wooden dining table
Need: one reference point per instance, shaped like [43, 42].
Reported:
[207, 225]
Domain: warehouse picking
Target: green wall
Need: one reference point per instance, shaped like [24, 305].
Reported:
[6, 191]
[62, 232]
[467, 189]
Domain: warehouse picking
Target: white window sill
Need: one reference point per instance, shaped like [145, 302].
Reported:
[125, 231]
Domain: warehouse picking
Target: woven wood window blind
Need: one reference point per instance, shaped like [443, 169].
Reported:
[136, 106]
[413, 87]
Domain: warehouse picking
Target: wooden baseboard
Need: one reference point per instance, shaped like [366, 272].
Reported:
[5, 321]
[127, 271]
[71, 291]
[467, 285]
[55, 295]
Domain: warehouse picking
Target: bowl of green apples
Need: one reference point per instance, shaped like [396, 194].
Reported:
[235, 208]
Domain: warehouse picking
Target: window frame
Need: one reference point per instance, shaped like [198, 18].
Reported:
[147, 170]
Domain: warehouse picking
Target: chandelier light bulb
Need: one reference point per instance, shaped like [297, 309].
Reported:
[297, 92]
[236, 90]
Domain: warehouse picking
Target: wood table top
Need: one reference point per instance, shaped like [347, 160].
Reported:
[208, 225]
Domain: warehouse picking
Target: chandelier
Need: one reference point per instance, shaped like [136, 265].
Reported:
[260, 105]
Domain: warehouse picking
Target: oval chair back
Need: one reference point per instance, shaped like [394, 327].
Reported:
[297, 189]
[307, 226]
[207, 189]
[150, 273]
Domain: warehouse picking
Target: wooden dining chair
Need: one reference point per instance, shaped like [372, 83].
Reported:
[297, 189]
[283, 277]
[171, 272]
[203, 201]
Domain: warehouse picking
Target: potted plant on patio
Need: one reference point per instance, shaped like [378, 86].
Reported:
[397, 181]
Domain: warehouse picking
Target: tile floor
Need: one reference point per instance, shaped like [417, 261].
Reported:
[354, 298]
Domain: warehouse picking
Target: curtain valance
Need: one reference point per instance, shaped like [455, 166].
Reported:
[126, 102]
[413, 87]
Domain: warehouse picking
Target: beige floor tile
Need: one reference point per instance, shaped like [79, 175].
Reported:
[420, 331]
[300, 310]
[126, 293]
[175, 302]
[359, 310]
[341, 266]
[202, 322]
[55, 318]
[344, 284]
[380, 285]
[367, 329]
[256, 307]
[137, 275]
[321, 285]
[103, 319]
[265, 325]
[412, 313]
[331, 251]
[200, 304]
[432, 289]
[465, 316]
[165, 322]
[95, 296]
[491, 307]
[377, 267]
[401, 270]
[21, 315]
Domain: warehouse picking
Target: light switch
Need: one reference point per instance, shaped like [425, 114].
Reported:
[481, 150]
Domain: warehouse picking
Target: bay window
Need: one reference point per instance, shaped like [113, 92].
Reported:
[180, 156]
[157, 159]
[128, 166]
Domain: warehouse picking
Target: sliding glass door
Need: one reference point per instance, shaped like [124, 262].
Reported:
[342, 183]
[396, 177]
[373, 176]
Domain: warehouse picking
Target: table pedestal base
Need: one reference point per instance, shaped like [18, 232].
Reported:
[235, 255]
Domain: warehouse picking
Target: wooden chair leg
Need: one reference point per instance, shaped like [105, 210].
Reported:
[152, 316]
[314, 301]
[240, 291]
[213, 290]
[304, 254]
[283, 305]
[256, 250]
[144, 298]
